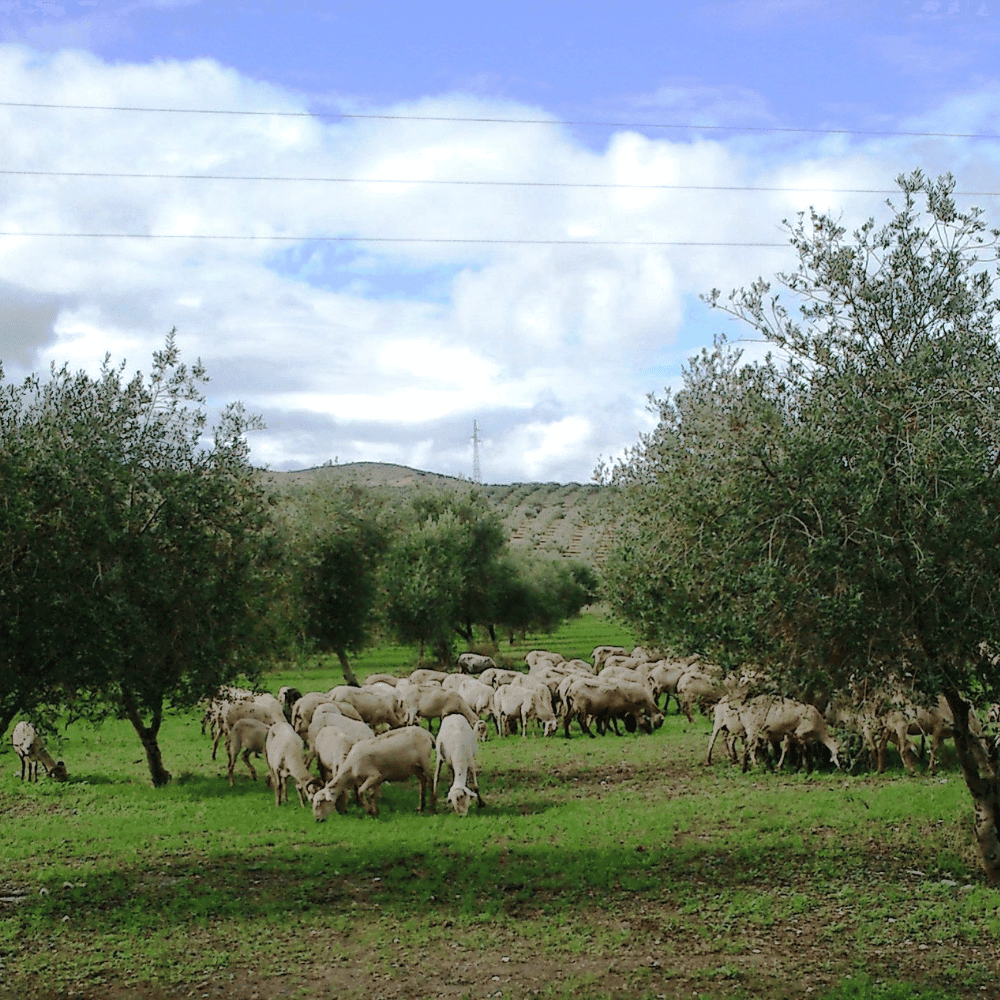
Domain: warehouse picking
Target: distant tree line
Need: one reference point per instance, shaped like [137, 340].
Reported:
[145, 562]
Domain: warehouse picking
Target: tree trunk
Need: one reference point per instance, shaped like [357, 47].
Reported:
[979, 768]
[346, 665]
[493, 634]
[148, 736]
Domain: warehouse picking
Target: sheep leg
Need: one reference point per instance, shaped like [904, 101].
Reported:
[369, 803]
[472, 780]
[437, 771]
[246, 760]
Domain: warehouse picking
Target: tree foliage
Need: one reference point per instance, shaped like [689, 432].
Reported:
[336, 542]
[139, 559]
[832, 511]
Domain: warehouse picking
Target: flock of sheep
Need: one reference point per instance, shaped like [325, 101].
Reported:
[360, 737]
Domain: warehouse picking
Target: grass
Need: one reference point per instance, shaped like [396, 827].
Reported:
[611, 867]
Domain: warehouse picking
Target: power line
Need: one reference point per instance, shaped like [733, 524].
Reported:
[393, 239]
[501, 121]
[481, 183]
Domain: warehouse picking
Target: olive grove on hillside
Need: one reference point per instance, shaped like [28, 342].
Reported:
[833, 511]
[139, 562]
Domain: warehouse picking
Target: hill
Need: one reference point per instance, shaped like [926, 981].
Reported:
[570, 521]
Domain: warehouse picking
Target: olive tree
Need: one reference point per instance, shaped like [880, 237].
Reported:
[138, 566]
[337, 554]
[833, 510]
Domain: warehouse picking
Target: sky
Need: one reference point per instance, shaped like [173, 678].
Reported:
[379, 222]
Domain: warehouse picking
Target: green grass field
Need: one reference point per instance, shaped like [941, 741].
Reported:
[615, 867]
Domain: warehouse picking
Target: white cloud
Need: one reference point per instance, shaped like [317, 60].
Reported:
[390, 350]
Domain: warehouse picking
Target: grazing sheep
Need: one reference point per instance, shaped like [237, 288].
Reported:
[524, 702]
[456, 746]
[374, 707]
[606, 704]
[396, 755]
[772, 719]
[284, 760]
[433, 702]
[248, 736]
[29, 747]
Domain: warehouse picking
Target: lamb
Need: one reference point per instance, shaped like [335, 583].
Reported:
[327, 716]
[525, 702]
[396, 755]
[29, 747]
[456, 746]
[332, 747]
[247, 736]
[727, 719]
[284, 759]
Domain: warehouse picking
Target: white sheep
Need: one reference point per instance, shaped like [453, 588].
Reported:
[248, 736]
[456, 746]
[284, 759]
[396, 755]
[330, 715]
[29, 747]
[264, 708]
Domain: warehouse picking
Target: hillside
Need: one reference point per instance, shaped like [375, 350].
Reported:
[554, 519]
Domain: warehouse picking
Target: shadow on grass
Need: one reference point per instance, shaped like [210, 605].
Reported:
[456, 878]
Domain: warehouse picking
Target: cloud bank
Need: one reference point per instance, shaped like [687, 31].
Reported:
[389, 350]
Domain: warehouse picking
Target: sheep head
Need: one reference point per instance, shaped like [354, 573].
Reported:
[460, 798]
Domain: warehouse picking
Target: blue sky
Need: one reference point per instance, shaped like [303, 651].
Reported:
[388, 351]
